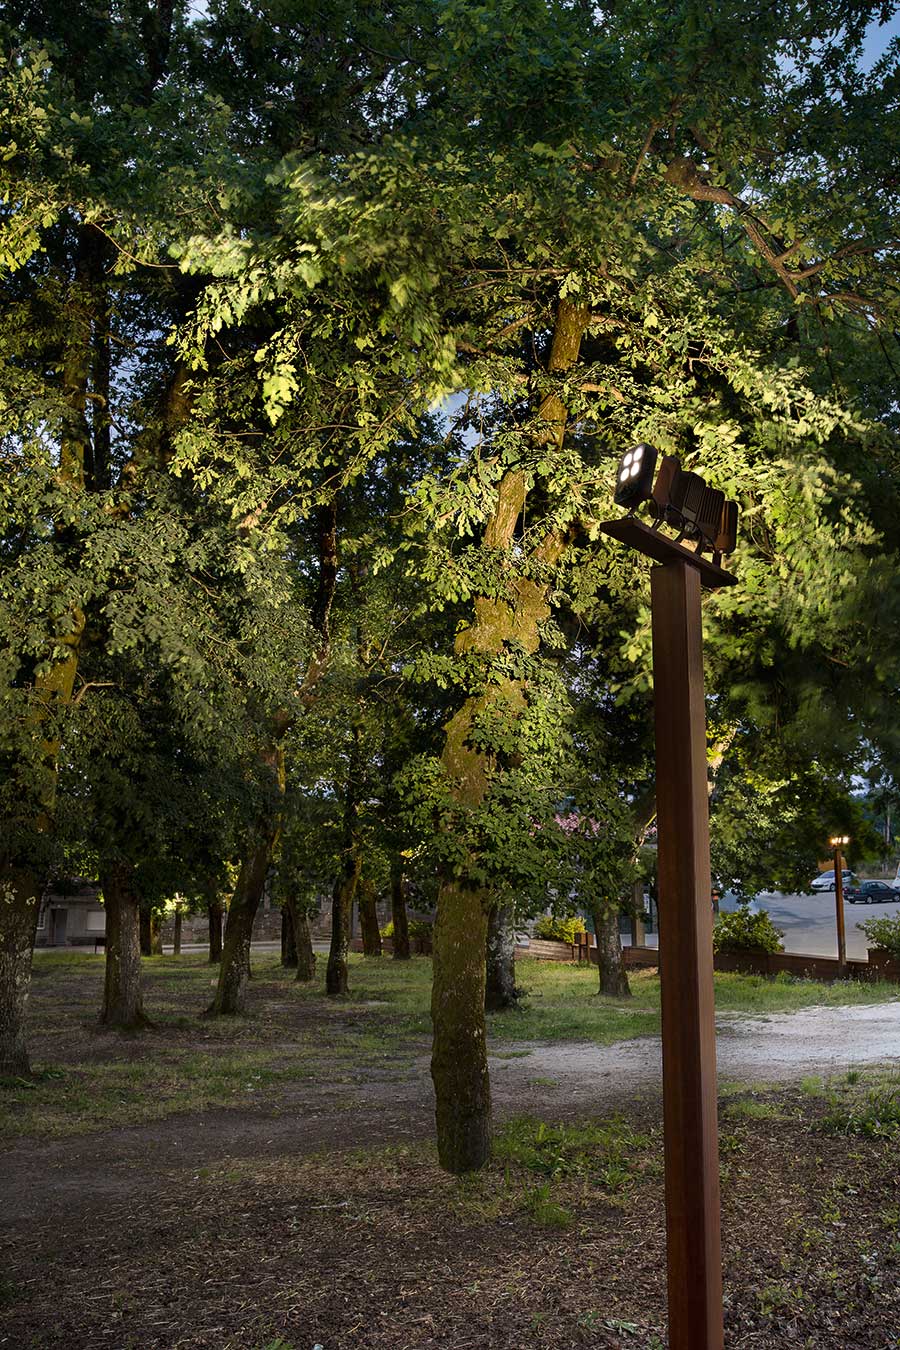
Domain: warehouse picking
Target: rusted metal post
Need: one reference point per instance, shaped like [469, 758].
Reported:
[839, 908]
[686, 968]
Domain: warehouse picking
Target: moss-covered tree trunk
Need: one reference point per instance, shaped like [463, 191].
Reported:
[20, 893]
[215, 912]
[306, 957]
[150, 932]
[368, 918]
[336, 972]
[288, 938]
[610, 958]
[459, 1054]
[123, 1000]
[399, 916]
[500, 976]
[234, 969]
[459, 1057]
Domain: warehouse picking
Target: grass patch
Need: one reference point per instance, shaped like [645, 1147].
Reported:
[872, 1112]
[602, 1151]
[294, 1035]
[544, 1210]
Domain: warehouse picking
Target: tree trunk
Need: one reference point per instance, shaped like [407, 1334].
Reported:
[150, 932]
[610, 961]
[146, 937]
[231, 993]
[20, 893]
[288, 937]
[123, 1002]
[459, 1058]
[214, 913]
[368, 919]
[459, 1068]
[399, 917]
[342, 902]
[348, 879]
[500, 977]
[176, 938]
[306, 957]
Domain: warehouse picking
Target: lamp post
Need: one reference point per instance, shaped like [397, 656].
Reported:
[838, 844]
[702, 517]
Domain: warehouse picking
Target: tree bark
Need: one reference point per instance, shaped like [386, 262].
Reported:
[288, 937]
[336, 980]
[610, 960]
[214, 913]
[500, 977]
[459, 1057]
[306, 957]
[20, 893]
[368, 919]
[123, 1001]
[399, 916]
[231, 993]
[459, 1068]
[150, 932]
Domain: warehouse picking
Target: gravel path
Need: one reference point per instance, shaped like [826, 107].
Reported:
[777, 1047]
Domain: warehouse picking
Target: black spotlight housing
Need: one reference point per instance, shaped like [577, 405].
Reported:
[726, 538]
[634, 476]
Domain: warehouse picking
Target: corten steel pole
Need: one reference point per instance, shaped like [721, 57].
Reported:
[693, 1244]
[839, 908]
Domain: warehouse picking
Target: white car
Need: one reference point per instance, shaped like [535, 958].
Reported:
[825, 880]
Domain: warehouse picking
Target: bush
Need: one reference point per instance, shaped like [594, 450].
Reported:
[418, 928]
[553, 929]
[746, 932]
[883, 934]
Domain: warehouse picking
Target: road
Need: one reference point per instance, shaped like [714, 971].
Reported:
[808, 921]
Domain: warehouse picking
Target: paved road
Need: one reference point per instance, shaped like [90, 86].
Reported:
[808, 921]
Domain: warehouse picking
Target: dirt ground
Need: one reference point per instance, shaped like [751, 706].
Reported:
[317, 1216]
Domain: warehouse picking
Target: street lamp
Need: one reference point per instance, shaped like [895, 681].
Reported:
[838, 843]
[681, 500]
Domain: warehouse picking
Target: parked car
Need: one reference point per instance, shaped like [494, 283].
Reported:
[871, 893]
[825, 880]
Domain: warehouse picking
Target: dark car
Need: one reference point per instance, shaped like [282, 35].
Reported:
[870, 893]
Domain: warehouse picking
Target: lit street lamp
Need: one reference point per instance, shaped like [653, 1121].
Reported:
[838, 844]
[703, 518]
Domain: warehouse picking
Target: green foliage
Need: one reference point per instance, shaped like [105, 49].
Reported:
[557, 929]
[743, 931]
[418, 928]
[884, 934]
[565, 1150]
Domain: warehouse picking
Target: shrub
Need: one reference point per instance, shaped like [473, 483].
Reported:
[746, 932]
[418, 928]
[883, 934]
[554, 929]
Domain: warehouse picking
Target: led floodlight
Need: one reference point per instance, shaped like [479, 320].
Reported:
[727, 535]
[634, 476]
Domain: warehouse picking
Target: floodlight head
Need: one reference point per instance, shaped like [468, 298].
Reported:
[685, 501]
[727, 535]
[839, 840]
[634, 476]
[662, 491]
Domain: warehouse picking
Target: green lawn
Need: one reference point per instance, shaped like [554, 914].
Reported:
[296, 1040]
